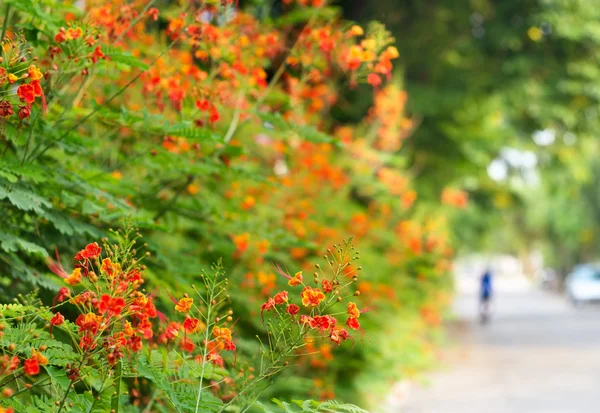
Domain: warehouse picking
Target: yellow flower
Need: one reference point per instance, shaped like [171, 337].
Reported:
[356, 30]
[535, 34]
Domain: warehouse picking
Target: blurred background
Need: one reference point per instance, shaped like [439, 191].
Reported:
[505, 97]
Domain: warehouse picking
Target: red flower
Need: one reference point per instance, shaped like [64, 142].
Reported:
[281, 297]
[63, 294]
[26, 93]
[90, 252]
[8, 364]
[6, 108]
[114, 305]
[191, 325]
[338, 335]
[267, 306]
[97, 54]
[153, 12]
[87, 342]
[353, 323]
[230, 346]
[144, 327]
[32, 367]
[374, 79]
[215, 359]
[134, 343]
[172, 330]
[323, 322]
[57, 320]
[327, 286]
[24, 112]
[293, 309]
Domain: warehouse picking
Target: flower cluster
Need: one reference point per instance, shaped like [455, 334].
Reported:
[313, 315]
[115, 316]
[18, 77]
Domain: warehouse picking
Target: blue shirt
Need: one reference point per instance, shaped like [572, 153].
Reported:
[486, 284]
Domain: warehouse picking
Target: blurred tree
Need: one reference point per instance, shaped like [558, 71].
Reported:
[485, 75]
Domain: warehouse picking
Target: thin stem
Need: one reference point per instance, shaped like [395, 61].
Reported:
[17, 376]
[116, 397]
[206, 336]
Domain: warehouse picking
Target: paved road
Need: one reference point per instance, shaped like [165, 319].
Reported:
[538, 355]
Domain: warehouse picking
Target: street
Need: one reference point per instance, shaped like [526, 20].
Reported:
[538, 355]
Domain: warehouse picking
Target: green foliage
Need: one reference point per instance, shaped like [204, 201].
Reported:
[310, 406]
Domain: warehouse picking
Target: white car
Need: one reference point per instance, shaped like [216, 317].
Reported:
[583, 284]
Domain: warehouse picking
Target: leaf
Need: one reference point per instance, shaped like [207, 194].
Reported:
[189, 130]
[58, 376]
[24, 200]
[311, 406]
[11, 243]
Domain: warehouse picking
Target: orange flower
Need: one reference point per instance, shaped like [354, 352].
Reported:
[241, 242]
[311, 296]
[353, 310]
[221, 333]
[75, 277]
[39, 357]
[34, 73]
[128, 329]
[184, 305]
[74, 33]
[109, 268]
[89, 322]
[296, 279]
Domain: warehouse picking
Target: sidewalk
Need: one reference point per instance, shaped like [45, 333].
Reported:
[538, 355]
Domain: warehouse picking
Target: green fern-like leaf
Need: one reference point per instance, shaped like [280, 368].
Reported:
[310, 406]
[24, 199]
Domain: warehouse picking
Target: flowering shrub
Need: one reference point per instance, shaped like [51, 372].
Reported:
[118, 335]
[212, 128]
